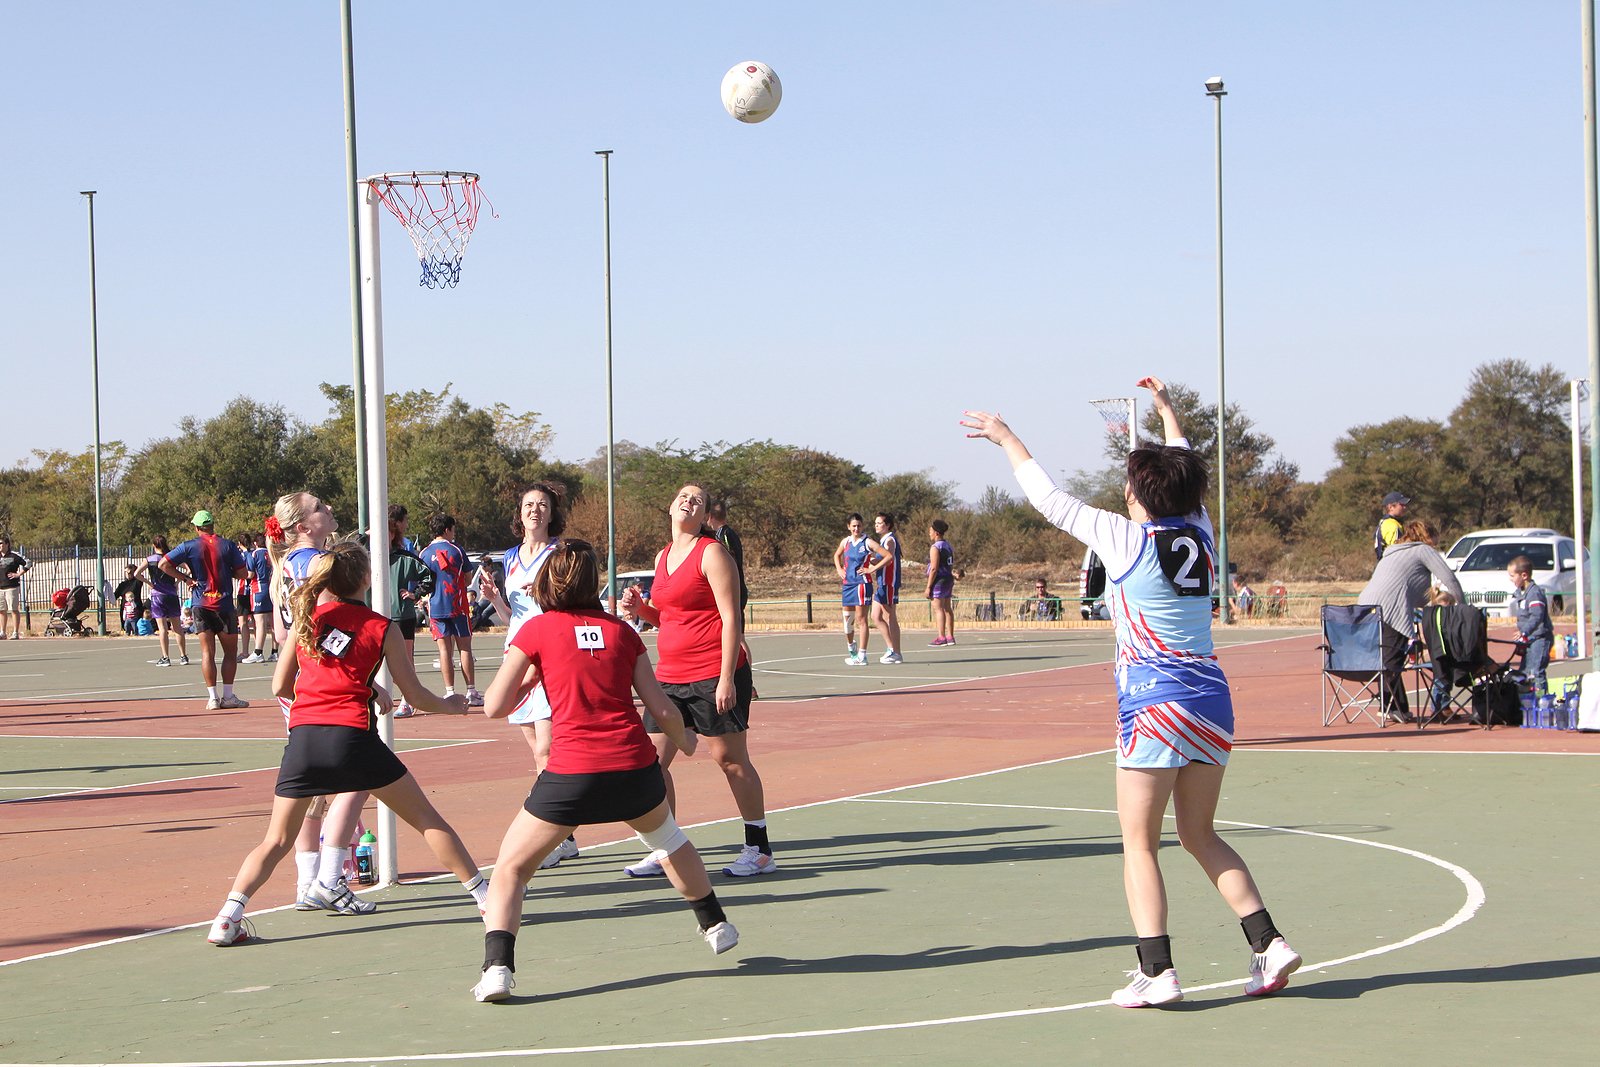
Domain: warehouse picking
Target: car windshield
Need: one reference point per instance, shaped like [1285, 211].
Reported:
[1495, 557]
[1462, 547]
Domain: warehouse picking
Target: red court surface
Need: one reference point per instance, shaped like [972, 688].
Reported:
[116, 862]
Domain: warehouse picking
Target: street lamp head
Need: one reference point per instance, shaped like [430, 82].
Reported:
[1214, 87]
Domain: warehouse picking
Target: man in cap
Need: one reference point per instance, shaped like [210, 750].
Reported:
[1389, 527]
[212, 563]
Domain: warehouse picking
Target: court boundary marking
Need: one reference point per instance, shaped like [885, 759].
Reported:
[1476, 897]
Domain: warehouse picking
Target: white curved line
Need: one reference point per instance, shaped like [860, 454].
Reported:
[1475, 900]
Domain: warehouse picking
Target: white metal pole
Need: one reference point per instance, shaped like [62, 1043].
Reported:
[1591, 240]
[377, 481]
[1577, 512]
[611, 465]
[1214, 90]
[94, 349]
[1133, 423]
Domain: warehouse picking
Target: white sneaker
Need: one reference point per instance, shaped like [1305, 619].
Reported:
[751, 862]
[649, 867]
[474, 699]
[568, 849]
[1147, 992]
[254, 657]
[303, 901]
[403, 710]
[721, 937]
[856, 659]
[552, 860]
[496, 984]
[339, 900]
[213, 703]
[1270, 970]
[183, 661]
[226, 932]
[232, 702]
[274, 657]
[891, 657]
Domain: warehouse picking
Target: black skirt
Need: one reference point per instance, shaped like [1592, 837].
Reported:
[604, 796]
[323, 760]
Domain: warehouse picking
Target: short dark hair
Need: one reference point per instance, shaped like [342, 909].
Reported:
[398, 513]
[569, 579]
[854, 516]
[888, 519]
[1170, 482]
[718, 509]
[940, 527]
[439, 522]
[1522, 565]
[159, 543]
[554, 492]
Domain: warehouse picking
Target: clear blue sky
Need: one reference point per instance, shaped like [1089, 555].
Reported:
[1005, 205]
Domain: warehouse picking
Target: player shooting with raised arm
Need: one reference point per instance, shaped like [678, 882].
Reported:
[1174, 708]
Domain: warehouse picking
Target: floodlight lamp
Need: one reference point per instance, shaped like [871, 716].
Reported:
[1213, 85]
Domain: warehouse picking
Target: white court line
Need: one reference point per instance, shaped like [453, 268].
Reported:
[213, 737]
[1475, 900]
[220, 774]
[1237, 750]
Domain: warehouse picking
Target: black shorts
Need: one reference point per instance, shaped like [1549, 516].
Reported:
[606, 796]
[323, 760]
[241, 604]
[697, 703]
[216, 620]
[408, 629]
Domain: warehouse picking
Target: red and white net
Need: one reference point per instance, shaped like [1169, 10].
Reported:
[439, 210]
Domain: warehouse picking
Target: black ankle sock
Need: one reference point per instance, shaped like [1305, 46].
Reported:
[1258, 930]
[500, 949]
[707, 912]
[757, 836]
[1155, 955]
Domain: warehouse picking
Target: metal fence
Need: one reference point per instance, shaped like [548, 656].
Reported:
[63, 568]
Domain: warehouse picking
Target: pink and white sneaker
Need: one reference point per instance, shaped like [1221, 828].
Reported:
[1147, 992]
[1270, 970]
[225, 931]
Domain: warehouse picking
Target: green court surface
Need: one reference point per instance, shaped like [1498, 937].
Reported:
[1442, 903]
[46, 766]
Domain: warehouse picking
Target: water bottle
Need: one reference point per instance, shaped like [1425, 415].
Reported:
[366, 860]
[1545, 705]
[1530, 710]
[1563, 714]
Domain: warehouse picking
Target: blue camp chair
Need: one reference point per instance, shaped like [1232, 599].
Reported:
[1353, 682]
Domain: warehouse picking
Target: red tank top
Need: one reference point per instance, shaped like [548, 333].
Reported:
[337, 690]
[689, 648]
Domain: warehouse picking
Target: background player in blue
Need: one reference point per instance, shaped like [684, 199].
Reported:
[212, 563]
[886, 585]
[448, 615]
[852, 559]
[260, 564]
[1175, 713]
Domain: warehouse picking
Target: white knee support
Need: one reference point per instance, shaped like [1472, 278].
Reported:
[665, 838]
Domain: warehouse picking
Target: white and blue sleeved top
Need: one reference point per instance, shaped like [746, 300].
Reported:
[1161, 576]
[524, 607]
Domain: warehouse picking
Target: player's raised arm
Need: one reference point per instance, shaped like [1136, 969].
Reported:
[994, 428]
[1163, 406]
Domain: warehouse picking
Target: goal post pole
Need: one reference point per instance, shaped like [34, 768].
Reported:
[376, 504]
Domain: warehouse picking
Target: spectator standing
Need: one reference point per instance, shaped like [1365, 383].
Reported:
[164, 606]
[213, 563]
[447, 607]
[410, 580]
[1393, 521]
[1399, 586]
[1531, 609]
[129, 594]
[13, 565]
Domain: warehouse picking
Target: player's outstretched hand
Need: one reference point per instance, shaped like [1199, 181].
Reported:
[987, 426]
[1158, 390]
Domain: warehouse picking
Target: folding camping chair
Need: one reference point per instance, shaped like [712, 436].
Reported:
[1353, 682]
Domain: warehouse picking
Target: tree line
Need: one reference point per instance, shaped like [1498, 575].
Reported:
[1502, 458]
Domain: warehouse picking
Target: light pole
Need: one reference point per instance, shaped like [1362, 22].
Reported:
[94, 358]
[1214, 91]
[611, 465]
[1591, 239]
[1577, 511]
[353, 195]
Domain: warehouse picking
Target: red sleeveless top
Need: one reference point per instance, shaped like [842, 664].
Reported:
[337, 690]
[689, 648]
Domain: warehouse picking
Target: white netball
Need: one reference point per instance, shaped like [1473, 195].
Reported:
[751, 92]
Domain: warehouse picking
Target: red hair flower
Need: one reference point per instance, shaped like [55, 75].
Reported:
[274, 528]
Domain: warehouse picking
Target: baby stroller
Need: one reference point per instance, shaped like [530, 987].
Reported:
[69, 604]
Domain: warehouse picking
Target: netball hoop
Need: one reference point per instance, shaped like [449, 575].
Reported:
[1121, 415]
[438, 208]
